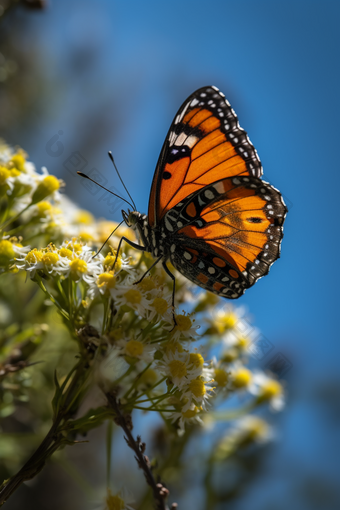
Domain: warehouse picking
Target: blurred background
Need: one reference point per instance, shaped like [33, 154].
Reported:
[79, 78]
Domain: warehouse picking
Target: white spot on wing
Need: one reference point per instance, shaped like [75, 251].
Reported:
[181, 139]
[190, 141]
[181, 115]
[219, 187]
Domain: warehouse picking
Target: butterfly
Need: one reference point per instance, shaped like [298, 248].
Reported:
[210, 213]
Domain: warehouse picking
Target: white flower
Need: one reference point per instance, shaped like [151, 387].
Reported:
[254, 429]
[118, 501]
[197, 392]
[269, 390]
[130, 296]
[160, 308]
[233, 339]
[178, 368]
[134, 348]
[184, 327]
[190, 415]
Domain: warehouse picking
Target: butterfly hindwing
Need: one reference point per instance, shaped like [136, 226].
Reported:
[204, 144]
[228, 234]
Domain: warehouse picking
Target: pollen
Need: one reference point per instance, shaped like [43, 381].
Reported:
[173, 347]
[133, 296]
[15, 172]
[242, 378]
[229, 321]
[6, 252]
[221, 377]
[45, 188]
[78, 266]
[190, 413]
[147, 284]
[178, 368]
[34, 256]
[18, 161]
[197, 388]
[49, 258]
[4, 174]
[114, 502]
[148, 377]
[184, 322]
[160, 305]
[134, 348]
[196, 359]
[65, 252]
[271, 389]
[84, 217]
[243, 342]
[85, 237]
[43, 207]
[107, 279]
[109, 261]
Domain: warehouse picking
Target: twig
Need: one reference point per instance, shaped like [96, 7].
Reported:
[124, 420]
[55, 438]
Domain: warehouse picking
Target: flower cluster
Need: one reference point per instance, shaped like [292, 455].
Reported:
[147, 355]
[185, 362]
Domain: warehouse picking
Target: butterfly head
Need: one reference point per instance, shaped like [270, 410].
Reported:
[138, 222]
[131, 218]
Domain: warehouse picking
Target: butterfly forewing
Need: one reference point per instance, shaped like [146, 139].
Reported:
[204, 144]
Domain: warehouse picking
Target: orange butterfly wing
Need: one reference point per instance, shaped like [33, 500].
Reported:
[228, 235]
[205, 144]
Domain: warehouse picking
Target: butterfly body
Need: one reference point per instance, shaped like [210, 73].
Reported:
[210, 213]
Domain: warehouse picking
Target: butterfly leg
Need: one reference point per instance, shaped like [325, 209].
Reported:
[131, 243]
[146, 272]
[167, 270]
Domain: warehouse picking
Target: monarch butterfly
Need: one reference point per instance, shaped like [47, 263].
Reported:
[210, 214]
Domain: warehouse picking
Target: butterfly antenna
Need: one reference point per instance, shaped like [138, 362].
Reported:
[121, 180]
[102, 246]
[95, 182]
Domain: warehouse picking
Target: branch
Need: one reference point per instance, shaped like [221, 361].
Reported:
[68, 403]
[160, 492]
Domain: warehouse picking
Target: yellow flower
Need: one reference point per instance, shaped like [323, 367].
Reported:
[177, 368]
[85, 237]
[196, 359]
[18, 162]
[4, 175]
[77, 267]
[6, 252]
[50, 258]
[147, 284]
[42, 208]
[84, 217]
[109, 261]
[173, 347]
[134, 348]
[114, 501]
[149, 377]
[190, 413]
[242, 378]
[133, 296]
[184, 322]
[65, 252]
[106, 279]
[34, 256]
[160, 305]
[197, 388]
[45, 188]
[221, 377]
